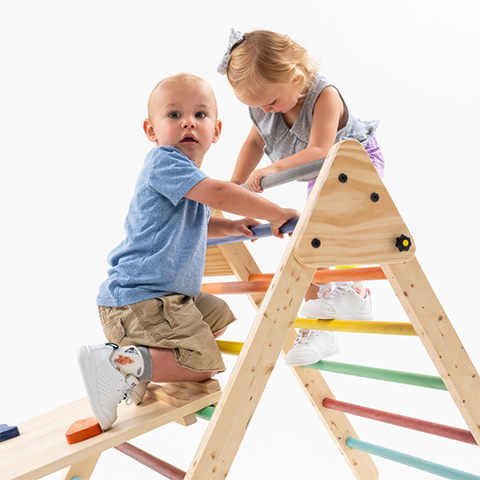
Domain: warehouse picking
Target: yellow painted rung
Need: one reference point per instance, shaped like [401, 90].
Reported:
[356, 326]
[230, 348]
[352, 326]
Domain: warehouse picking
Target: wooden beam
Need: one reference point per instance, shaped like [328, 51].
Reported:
[439, 338]
[252, 370]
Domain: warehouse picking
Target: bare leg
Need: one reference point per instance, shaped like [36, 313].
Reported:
[312, 292]
[166, 368]
[221, 332]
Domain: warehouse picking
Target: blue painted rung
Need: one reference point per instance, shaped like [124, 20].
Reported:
[259, 231]
[415, 462]
[76, 478]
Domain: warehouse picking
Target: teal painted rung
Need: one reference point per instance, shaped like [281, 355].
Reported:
[419, 380]
[205, 413]
[415, 462]
[76, 478]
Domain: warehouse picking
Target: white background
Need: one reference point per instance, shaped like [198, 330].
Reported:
[75, 78]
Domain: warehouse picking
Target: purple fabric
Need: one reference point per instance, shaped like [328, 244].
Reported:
[375, 154]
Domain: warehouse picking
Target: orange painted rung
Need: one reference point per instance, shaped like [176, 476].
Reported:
[259, 283]
[336, 275]
[242, 288]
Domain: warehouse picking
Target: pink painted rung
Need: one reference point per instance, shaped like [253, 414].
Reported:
[432, 428]
[150, 461]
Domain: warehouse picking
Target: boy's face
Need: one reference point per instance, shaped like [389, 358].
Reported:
[184, 115]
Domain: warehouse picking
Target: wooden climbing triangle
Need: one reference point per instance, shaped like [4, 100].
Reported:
[349, 219]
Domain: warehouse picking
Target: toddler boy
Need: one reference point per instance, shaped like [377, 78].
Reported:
[160, 326]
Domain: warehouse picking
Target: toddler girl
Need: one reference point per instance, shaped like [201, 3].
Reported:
[297, 116]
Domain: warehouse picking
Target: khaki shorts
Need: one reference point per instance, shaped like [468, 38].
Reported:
[184, 324]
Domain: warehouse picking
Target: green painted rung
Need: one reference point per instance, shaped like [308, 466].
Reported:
[427, 381]
[205, 413]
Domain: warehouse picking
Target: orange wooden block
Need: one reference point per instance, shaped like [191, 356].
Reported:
[83, 429]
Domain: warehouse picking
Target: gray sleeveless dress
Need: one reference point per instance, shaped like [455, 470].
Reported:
[282, 141]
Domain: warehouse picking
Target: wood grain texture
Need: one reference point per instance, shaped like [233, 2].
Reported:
[439, 338]
[42, 449]
[352, 229]
[265, 341]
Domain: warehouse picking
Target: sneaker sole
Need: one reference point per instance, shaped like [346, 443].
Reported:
[332, 350]
[83, 358]
[340, 316]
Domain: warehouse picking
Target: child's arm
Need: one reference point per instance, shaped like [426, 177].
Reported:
[228, 197]
[327, 117]
[224, 227]
[250, 155]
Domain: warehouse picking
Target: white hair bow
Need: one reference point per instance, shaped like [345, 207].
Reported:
[235, 38]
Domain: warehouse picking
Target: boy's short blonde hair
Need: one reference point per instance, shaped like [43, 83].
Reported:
[268, 58]
[179, 78]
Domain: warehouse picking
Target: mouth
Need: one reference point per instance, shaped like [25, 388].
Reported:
[188, 139]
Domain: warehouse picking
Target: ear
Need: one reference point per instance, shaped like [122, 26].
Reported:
[149, 130]
[217, 131]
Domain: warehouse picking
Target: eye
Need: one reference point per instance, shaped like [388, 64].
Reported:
[200, 115]
[273, 103]
[174, 115]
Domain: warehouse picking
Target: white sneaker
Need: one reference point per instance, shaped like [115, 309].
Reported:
[311, 346]
[343, 301]
[138, 393]
[106, 385]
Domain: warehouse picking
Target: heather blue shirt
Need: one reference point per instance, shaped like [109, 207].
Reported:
[166, 235]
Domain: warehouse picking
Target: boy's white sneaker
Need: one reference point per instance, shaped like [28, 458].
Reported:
[343, 301]
[106, 386]
[311, 346]
[138, 393]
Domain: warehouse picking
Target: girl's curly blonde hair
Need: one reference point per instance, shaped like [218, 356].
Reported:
[267, 58]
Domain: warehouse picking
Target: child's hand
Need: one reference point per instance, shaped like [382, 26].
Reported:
[242, 226]
[253, 182]
[288, 213]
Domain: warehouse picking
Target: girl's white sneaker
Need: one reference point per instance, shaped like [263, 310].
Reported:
[343, 301]
[311, 346]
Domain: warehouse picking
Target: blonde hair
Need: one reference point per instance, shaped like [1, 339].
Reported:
[179, 78]
[267, 58]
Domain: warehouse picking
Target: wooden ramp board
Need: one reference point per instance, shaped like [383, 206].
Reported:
[42, 449]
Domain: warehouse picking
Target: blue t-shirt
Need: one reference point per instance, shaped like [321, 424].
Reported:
[166, 234]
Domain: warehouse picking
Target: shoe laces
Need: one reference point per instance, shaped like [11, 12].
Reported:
[306, 337]
[334, 290]
[125, 390]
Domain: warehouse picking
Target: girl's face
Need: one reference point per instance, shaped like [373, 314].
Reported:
[273, 99]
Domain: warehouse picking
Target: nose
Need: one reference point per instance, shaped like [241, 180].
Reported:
[188, 122]
[267, 109]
